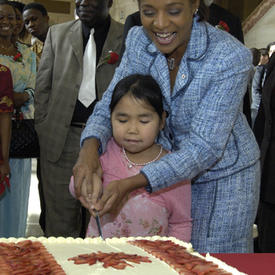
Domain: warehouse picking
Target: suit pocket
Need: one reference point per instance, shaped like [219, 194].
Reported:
[230, 155]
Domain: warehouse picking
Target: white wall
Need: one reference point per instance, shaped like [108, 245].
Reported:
[122, 8]
[263, 32]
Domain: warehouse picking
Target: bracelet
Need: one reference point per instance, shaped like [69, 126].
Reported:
[30, 91]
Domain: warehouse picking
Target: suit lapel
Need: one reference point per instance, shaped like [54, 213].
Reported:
[112, 42]
[76, 40]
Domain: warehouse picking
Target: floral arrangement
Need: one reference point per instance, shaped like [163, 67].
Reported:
[223, 26]
[111, 58]
[18, 57]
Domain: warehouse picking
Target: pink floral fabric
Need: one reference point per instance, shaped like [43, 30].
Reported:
[164, 213]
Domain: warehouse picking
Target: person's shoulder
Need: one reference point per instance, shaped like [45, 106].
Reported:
[137, 37]
[116, 23]
[116, 27]
[64, 27]
[224, 43]
[24, 49]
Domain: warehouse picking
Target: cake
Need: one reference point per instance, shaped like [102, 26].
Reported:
[142, 255]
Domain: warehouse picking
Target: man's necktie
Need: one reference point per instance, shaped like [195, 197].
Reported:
[87, 91]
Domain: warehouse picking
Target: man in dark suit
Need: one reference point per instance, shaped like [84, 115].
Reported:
[264, 130]
[60, 114]
[217, 14]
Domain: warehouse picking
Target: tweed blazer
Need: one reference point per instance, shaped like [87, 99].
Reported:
[206, 129]
[59, 78]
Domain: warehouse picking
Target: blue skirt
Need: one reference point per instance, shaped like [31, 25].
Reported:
[224, 212]
[14, 202]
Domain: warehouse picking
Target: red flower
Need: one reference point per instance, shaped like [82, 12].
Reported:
[18, 57]
[111, 58]
[223, 26]
[2, 185]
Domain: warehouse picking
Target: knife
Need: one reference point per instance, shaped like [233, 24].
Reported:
[97, 219]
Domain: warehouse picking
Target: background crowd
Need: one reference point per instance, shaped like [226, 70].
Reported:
[59, 80]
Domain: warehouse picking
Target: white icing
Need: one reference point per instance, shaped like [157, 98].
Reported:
[64, 248]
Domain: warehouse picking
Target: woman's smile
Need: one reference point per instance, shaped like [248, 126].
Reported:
[165, 38]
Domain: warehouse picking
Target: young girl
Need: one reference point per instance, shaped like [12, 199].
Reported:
[137, 117]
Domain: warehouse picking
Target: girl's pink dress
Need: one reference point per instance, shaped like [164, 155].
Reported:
[164, 213]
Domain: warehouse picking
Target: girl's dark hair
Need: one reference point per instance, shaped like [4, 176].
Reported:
[142, 87]
[203, 10]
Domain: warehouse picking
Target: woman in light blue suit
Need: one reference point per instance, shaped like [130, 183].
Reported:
[203, 73]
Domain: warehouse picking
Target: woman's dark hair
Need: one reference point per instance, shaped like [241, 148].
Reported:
[203, 10]
[142, 87]
[19, 6]
[36, 6]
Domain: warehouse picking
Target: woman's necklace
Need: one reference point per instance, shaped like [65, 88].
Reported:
[131, 164]
[171, 63]
[10, 50]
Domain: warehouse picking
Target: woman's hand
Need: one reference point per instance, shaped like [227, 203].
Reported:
[20, 98]
[86, 192]
[4, 170]
[116, 193]
[88, 173]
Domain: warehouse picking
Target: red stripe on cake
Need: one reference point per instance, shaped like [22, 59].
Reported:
[178, 258]
[27, 257]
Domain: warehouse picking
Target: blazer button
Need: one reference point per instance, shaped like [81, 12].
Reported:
[183, 76]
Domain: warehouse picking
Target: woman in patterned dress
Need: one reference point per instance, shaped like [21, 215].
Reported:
[22, 63]
[6, 109]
